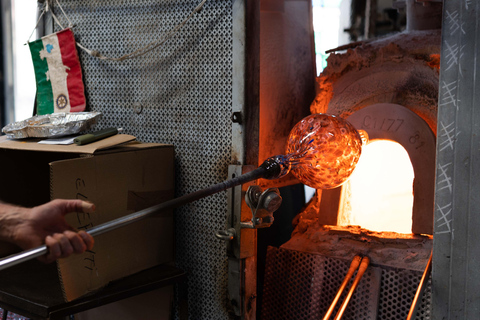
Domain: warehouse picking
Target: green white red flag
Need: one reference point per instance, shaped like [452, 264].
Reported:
[58, 74]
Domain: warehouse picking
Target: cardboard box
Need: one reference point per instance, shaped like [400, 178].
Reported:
[120, 179]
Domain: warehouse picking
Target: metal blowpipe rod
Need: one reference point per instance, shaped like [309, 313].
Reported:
[353, 267]
[421, 288]
[361, 270]
[268, 170]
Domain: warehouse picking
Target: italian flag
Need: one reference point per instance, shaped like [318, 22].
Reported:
[58, 74]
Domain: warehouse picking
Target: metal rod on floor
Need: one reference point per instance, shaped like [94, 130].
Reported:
[268, 170]
[353, 267]
[361, 270]
[421, 288]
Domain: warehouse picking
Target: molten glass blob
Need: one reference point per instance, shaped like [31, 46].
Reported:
[322, 151]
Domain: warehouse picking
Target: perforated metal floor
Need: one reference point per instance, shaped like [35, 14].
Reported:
[302, 286]
[179, 93]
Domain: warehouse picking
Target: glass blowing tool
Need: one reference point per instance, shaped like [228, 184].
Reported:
[322, 152]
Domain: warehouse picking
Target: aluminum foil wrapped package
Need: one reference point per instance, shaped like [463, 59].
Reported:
[51, 125]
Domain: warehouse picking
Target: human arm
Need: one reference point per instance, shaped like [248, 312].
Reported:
[45, 224]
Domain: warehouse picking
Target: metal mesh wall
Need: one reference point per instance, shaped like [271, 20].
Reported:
[180, 94]
[397, 292]
[302, 286]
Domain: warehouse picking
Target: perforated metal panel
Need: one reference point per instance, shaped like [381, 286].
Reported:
[397, 293]
[301, 285]
[179, 93]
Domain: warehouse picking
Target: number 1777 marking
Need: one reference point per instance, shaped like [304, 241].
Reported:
[386, 125]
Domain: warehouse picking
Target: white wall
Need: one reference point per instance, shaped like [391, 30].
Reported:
[24, 21]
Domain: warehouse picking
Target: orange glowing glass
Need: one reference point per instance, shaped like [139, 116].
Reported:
[322, 151]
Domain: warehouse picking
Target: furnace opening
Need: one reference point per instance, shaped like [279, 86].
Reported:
[379, 194]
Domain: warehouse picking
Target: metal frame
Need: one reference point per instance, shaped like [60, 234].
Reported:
[241, 251]
[8, 109]
[455, 280]
[238, 86]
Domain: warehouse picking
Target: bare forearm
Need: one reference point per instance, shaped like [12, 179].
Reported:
[10, 218]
